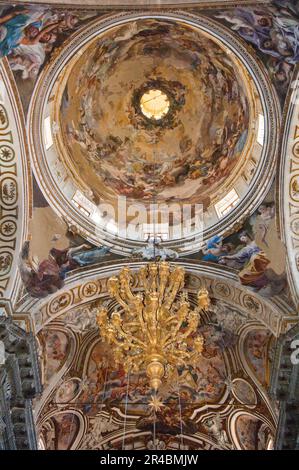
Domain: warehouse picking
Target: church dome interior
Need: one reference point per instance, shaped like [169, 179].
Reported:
[204, 94]
[149, 228]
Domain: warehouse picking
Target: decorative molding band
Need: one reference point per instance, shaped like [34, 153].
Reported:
[137, 4]
[288, 188]
[84, 286]
[15, 184]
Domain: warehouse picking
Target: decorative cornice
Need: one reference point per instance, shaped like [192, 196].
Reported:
[141, 4]
[288, 188]
[87, 285]
[15, 183]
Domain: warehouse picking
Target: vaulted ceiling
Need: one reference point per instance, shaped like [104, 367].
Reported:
[185, 106]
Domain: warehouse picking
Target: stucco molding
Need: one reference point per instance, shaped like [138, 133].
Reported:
[288, 188]
[15, 183]
[87, 285]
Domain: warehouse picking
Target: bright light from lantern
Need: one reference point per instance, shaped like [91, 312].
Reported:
[154, 104]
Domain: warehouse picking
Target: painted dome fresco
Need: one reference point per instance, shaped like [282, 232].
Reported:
[155, 108]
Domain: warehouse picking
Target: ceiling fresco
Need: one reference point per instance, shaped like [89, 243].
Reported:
[258, 345]
[30, 34]
[55, 351]
[195, 405]
[84, 113]
[272, 30]
[247, 431]
[197, 144]
[255, 251]
[189, 105]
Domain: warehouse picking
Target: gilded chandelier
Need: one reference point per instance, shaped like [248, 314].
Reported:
[153, 330]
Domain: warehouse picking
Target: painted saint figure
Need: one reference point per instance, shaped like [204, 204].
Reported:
[48, 276]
